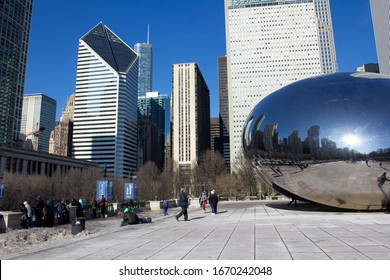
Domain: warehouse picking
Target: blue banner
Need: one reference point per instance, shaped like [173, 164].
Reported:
[1, 190]
[130, 191]
[104, 187]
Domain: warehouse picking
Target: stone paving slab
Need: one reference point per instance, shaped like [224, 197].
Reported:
[263, 230]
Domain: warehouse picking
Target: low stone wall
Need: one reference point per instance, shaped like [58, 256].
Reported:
[9, 220]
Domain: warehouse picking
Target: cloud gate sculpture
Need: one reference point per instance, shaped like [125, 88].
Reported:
[325, 139]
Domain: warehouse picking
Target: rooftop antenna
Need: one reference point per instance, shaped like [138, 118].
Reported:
[148, 35]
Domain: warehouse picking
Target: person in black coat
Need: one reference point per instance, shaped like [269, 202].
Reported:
[38, 211]
[213, 201]
[183, 202]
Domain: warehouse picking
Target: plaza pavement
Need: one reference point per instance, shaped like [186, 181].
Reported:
[242, 230]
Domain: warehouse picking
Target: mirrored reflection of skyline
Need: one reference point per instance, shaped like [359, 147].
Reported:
[343, 112]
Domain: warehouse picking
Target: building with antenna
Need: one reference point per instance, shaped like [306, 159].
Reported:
[144, 51]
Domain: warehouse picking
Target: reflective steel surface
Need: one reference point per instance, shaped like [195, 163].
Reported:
[325, 139]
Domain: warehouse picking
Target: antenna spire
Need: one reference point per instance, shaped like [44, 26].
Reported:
[148, 35]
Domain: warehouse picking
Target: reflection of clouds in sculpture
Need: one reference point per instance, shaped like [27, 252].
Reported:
[324, 125]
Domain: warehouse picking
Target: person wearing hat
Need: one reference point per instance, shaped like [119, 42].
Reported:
[183, 202]
[213, 201]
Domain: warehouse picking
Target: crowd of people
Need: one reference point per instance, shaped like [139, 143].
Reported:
[212, 200]
[44, 214]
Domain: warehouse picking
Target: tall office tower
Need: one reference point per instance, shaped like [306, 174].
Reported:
[105, 115]
[61, 137]
[38, 120]
[380, 13]
[144, 51]
[190, 116]
[15, 21]
[224, 108]
[154, 111]
[271, 44]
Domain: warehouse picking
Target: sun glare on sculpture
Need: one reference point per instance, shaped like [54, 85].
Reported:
[351, 140]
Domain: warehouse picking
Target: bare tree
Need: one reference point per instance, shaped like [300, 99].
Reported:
[247, 175]
[147, 181]
[209, 167]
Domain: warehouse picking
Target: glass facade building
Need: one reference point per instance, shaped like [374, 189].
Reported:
[39, 111]
[15, 21]
[271, 44]
[144, 52]
[154, 113]
[105, 114]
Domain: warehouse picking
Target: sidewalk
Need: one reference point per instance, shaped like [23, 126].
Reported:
[265, 230]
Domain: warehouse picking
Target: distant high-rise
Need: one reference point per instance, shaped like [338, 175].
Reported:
[369, 67]
[15, 21]
[215, 135]
[61, 137]
[153, 109]
[271, 44]
[223, 95]
[380, 13]
[39, 113]
[190, 115]
[144, 51]
[106, 113]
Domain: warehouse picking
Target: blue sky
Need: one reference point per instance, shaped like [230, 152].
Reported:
[180, 31]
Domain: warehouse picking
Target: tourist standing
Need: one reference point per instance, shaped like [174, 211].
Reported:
[38, 211]
[29, 213]
[23, 217]
[213, 200]
[102, 204]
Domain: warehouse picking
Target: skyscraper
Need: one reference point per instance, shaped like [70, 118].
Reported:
[144, 51]
[15, 21]
[380, 13]
[223, 95]
[190, 114]
[39, 111]
[61, 137]
[105, 116]
[154, 111]
[271, 44]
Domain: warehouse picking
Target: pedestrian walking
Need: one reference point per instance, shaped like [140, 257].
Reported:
[183, 202]
[213, 201]
[102, 204]
[165, 207]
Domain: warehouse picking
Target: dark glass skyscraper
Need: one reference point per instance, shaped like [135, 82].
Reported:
[15, 21]
[144, 52]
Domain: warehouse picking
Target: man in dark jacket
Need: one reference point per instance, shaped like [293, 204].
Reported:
[213, 201]
[183, 201]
